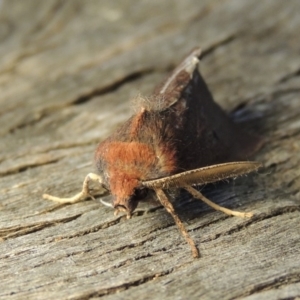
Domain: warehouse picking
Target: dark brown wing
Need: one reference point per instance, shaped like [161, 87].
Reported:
[171, 89]
[208, 136]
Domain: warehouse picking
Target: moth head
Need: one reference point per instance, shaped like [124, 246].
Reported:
[127, 193]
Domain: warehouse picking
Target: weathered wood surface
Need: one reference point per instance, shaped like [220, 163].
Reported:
[68, 70]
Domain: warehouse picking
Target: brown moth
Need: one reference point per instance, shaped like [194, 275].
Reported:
[180, 138]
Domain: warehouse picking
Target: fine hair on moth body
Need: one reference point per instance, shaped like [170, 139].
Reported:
[178, 138]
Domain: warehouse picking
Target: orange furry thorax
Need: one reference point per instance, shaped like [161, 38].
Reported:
[127, 164]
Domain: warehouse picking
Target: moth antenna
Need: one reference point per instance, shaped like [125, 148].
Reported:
[198, 195]
[162, 197]
[203, 175]
[84, 194]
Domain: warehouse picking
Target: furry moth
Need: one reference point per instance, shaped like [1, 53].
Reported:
[180, 138]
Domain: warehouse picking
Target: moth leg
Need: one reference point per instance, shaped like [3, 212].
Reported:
[169, 207]
[227, 211]
[85, 192]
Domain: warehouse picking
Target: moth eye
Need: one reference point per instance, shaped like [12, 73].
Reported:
[140, 194]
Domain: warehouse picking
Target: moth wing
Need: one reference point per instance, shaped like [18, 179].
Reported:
[171, 89]
[208, 136]
[204, 175]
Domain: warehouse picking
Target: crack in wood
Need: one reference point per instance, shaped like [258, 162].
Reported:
[110, 88]
[37, 118]
[16, 231]
[273, 283]
[223, 42]
[121, 287]
[135, 283]
[255, 219]
[281, 91]
[25, 167]
[104, 225]
[92, 229]
[289, 76]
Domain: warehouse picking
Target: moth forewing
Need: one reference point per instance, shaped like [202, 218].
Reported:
[204, 175]
[188, 65]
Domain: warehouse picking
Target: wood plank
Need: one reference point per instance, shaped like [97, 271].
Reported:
[68, 73]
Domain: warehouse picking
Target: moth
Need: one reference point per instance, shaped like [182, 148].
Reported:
[179, 138]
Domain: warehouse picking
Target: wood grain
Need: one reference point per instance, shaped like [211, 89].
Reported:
[68, 73]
